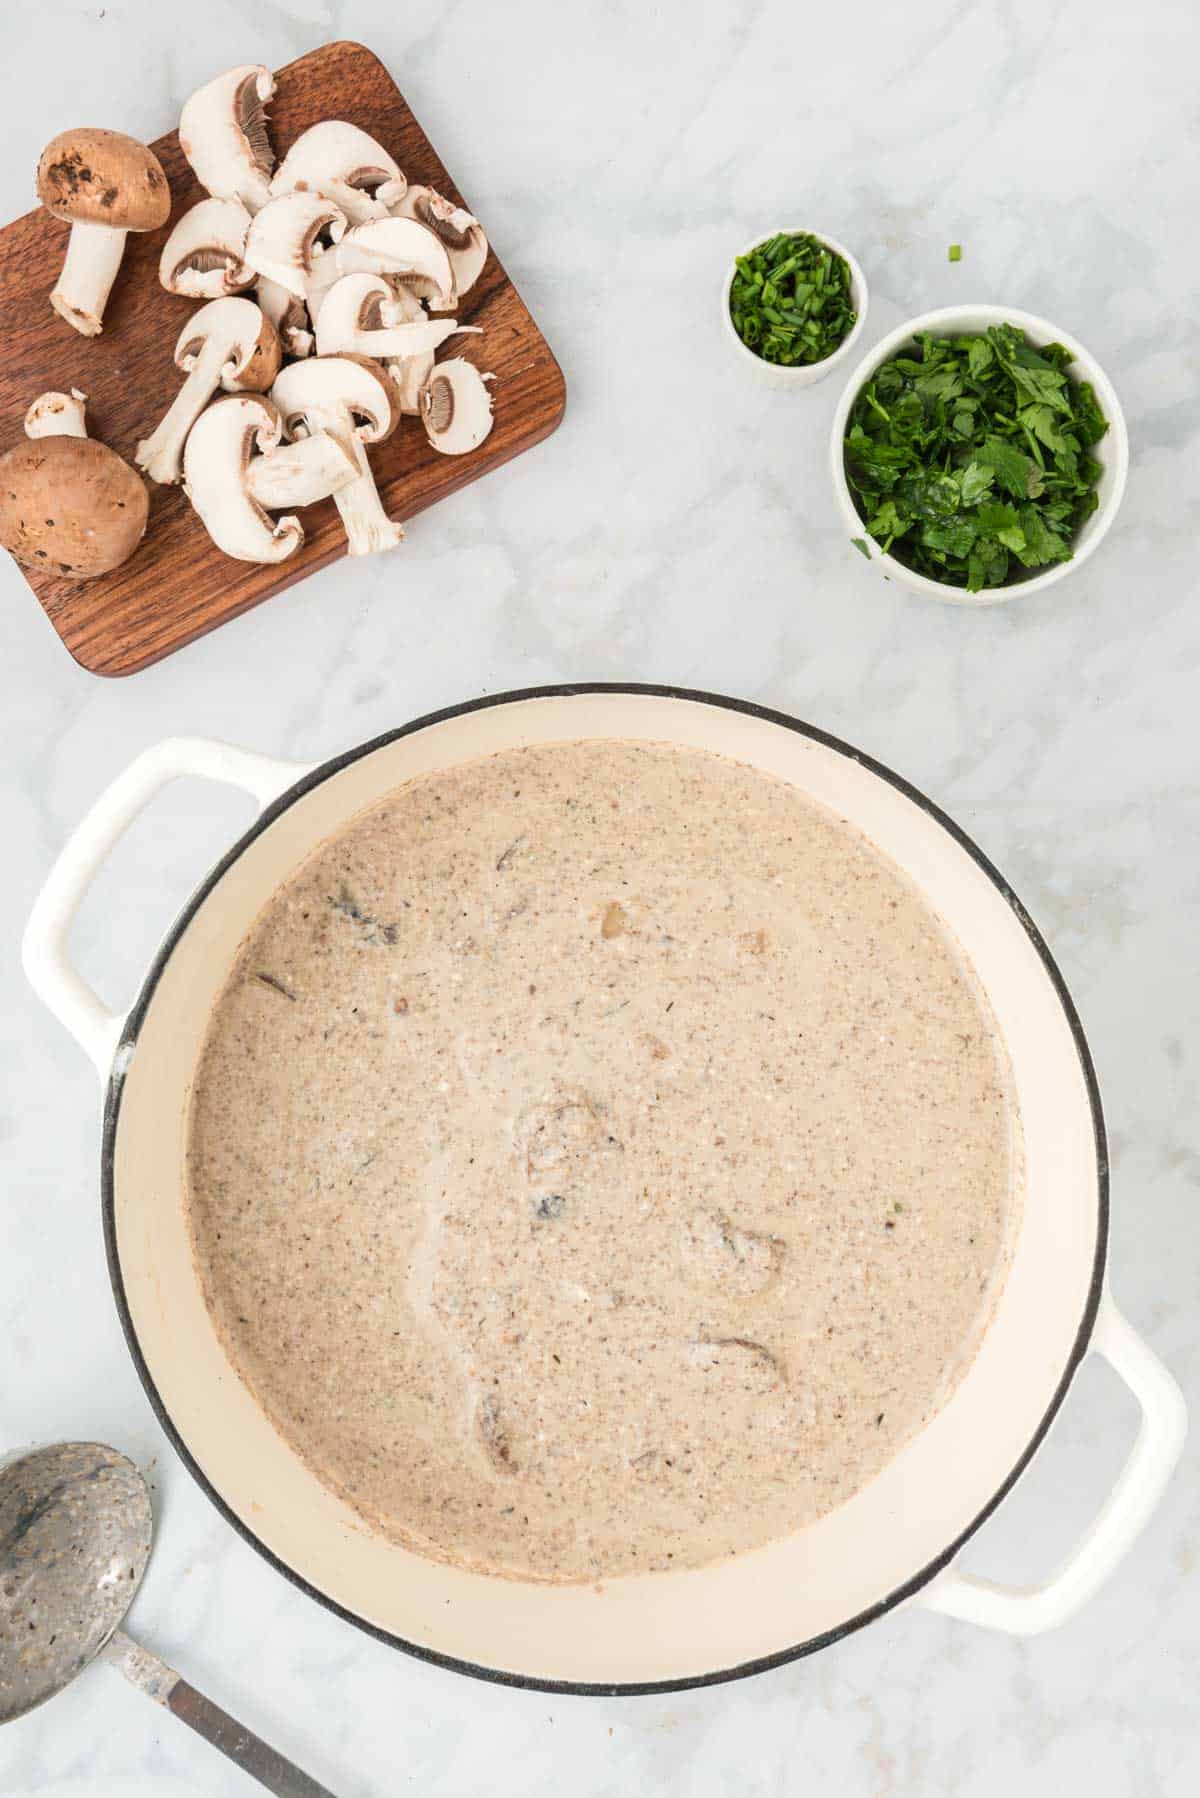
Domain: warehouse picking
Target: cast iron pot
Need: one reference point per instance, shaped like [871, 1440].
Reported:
[896, 1540]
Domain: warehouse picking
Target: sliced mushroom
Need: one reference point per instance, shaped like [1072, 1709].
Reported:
[282, 243]
[203, 257]
[228, 344]
[361, 313]
[402, 248]
[456, 407]
[347, 166]
[287, 314]
[355, 402]
[226, 480]
[301, 473]
[223, 134]
[459, 230]
[104, 185]
[70, 506]
[411, 376]
[325, 274]
[410, 373]
[407, 308]
[57, 415]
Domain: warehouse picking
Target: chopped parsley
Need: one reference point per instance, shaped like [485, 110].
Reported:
[790, 300]
[969, 457]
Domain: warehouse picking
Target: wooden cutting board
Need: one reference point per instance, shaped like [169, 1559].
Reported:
[178, 585]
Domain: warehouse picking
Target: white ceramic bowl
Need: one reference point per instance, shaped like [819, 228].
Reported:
[806, 374]
[1112, 451]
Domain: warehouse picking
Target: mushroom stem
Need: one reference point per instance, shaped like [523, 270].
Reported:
[161, 454]
[368, 527]
[93, 257]
[57, 415]
[351, 398]
[400, 340]
[301, 473]
[410, 373]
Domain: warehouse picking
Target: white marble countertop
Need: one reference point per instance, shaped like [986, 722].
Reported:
[680, 528]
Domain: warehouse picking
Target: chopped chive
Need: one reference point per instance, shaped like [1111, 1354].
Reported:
[790, 300]
[955, 252]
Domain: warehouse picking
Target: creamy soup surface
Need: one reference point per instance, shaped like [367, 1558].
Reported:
[601, 1160]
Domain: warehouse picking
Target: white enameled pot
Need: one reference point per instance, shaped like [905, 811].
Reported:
[893, 1542]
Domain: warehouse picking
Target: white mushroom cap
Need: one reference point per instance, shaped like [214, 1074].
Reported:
[288, 316]
[57, 415]
[216, 461]
[228, 344]
[223, 134]
[282, 240]
[347, 166]
[456, 407]
[404, 248]
[203, 256]
[247, 342]
[360, 313]
[458, 229]
[336, 387]
[352, 400]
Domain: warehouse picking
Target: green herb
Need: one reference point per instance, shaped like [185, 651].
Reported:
[790, 300]
[955, 252]
[968, 457]
[860, 544]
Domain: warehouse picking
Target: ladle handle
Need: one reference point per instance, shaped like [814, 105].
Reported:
[256, 1757]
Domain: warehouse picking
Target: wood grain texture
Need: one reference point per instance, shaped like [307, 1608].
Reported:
[178, 585]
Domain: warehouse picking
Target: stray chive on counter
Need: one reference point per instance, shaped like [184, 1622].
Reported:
[790, 300]
[969, 457]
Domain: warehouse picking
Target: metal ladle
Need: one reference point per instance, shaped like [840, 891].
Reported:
[75, 1529]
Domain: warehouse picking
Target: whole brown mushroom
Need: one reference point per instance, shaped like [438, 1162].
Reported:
[70, 506]
[104, 185]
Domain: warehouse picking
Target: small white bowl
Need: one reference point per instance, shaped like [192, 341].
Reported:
[804, 374]
[1112, 451]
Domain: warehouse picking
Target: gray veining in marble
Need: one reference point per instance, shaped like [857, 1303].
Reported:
[680, 528]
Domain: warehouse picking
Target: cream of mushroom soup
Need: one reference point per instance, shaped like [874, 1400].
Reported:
[601, 1160]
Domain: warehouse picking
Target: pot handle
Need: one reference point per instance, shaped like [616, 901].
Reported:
[1027, 1611]
[45, 949]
